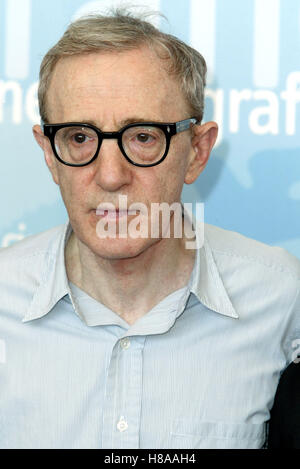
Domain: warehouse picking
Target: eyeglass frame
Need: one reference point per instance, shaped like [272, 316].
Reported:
[169, 129]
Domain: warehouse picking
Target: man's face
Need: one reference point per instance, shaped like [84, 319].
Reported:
[110, 90]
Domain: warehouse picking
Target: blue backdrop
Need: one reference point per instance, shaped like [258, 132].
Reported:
[252, 47]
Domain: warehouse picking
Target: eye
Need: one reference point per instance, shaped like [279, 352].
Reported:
[80, 138]
[144, 138]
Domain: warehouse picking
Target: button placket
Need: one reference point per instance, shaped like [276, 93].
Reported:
[121, 418]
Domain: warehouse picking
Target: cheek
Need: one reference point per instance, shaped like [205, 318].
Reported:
[163, 184]
[73, 185]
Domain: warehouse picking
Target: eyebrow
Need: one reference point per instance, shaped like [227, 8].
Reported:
[123, 123]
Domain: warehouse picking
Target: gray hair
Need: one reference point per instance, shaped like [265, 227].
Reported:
[121, 31]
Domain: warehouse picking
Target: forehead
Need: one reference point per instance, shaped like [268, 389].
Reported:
[114, 85]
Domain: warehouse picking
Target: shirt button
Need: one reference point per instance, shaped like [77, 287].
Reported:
[125, 343]
[122, 425]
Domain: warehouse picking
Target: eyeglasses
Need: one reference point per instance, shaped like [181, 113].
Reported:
[143, 144]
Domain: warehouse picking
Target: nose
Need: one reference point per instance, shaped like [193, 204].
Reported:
[112, 170]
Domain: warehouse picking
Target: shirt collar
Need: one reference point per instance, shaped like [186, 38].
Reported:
[205, 282]
[54, 283]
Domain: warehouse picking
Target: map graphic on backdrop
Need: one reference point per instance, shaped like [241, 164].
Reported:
[252, 48]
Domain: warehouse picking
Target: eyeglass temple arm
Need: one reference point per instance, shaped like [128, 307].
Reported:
[43, 125]
[185, 125]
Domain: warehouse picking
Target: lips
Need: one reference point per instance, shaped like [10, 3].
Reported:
[114, 214]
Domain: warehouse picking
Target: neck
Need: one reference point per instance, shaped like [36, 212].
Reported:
[132, 286]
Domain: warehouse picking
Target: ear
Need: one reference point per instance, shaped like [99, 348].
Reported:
[45, 145]
[203, 139]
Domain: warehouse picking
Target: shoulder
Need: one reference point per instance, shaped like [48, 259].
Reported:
[32, 245]
[25, 266]
[244, 251]
[30, 257]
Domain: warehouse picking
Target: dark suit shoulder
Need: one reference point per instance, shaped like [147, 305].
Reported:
[284, 430]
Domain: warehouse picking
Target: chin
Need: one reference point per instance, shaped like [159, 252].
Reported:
[113, 249]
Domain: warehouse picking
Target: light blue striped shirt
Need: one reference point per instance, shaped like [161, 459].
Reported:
[199, 370]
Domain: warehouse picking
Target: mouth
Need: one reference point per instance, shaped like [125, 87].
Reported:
[115, 214]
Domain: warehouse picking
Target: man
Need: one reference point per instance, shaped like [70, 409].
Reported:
[284, 431]
[118, 332]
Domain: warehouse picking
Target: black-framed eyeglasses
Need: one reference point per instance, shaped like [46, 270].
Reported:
[143, 143]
